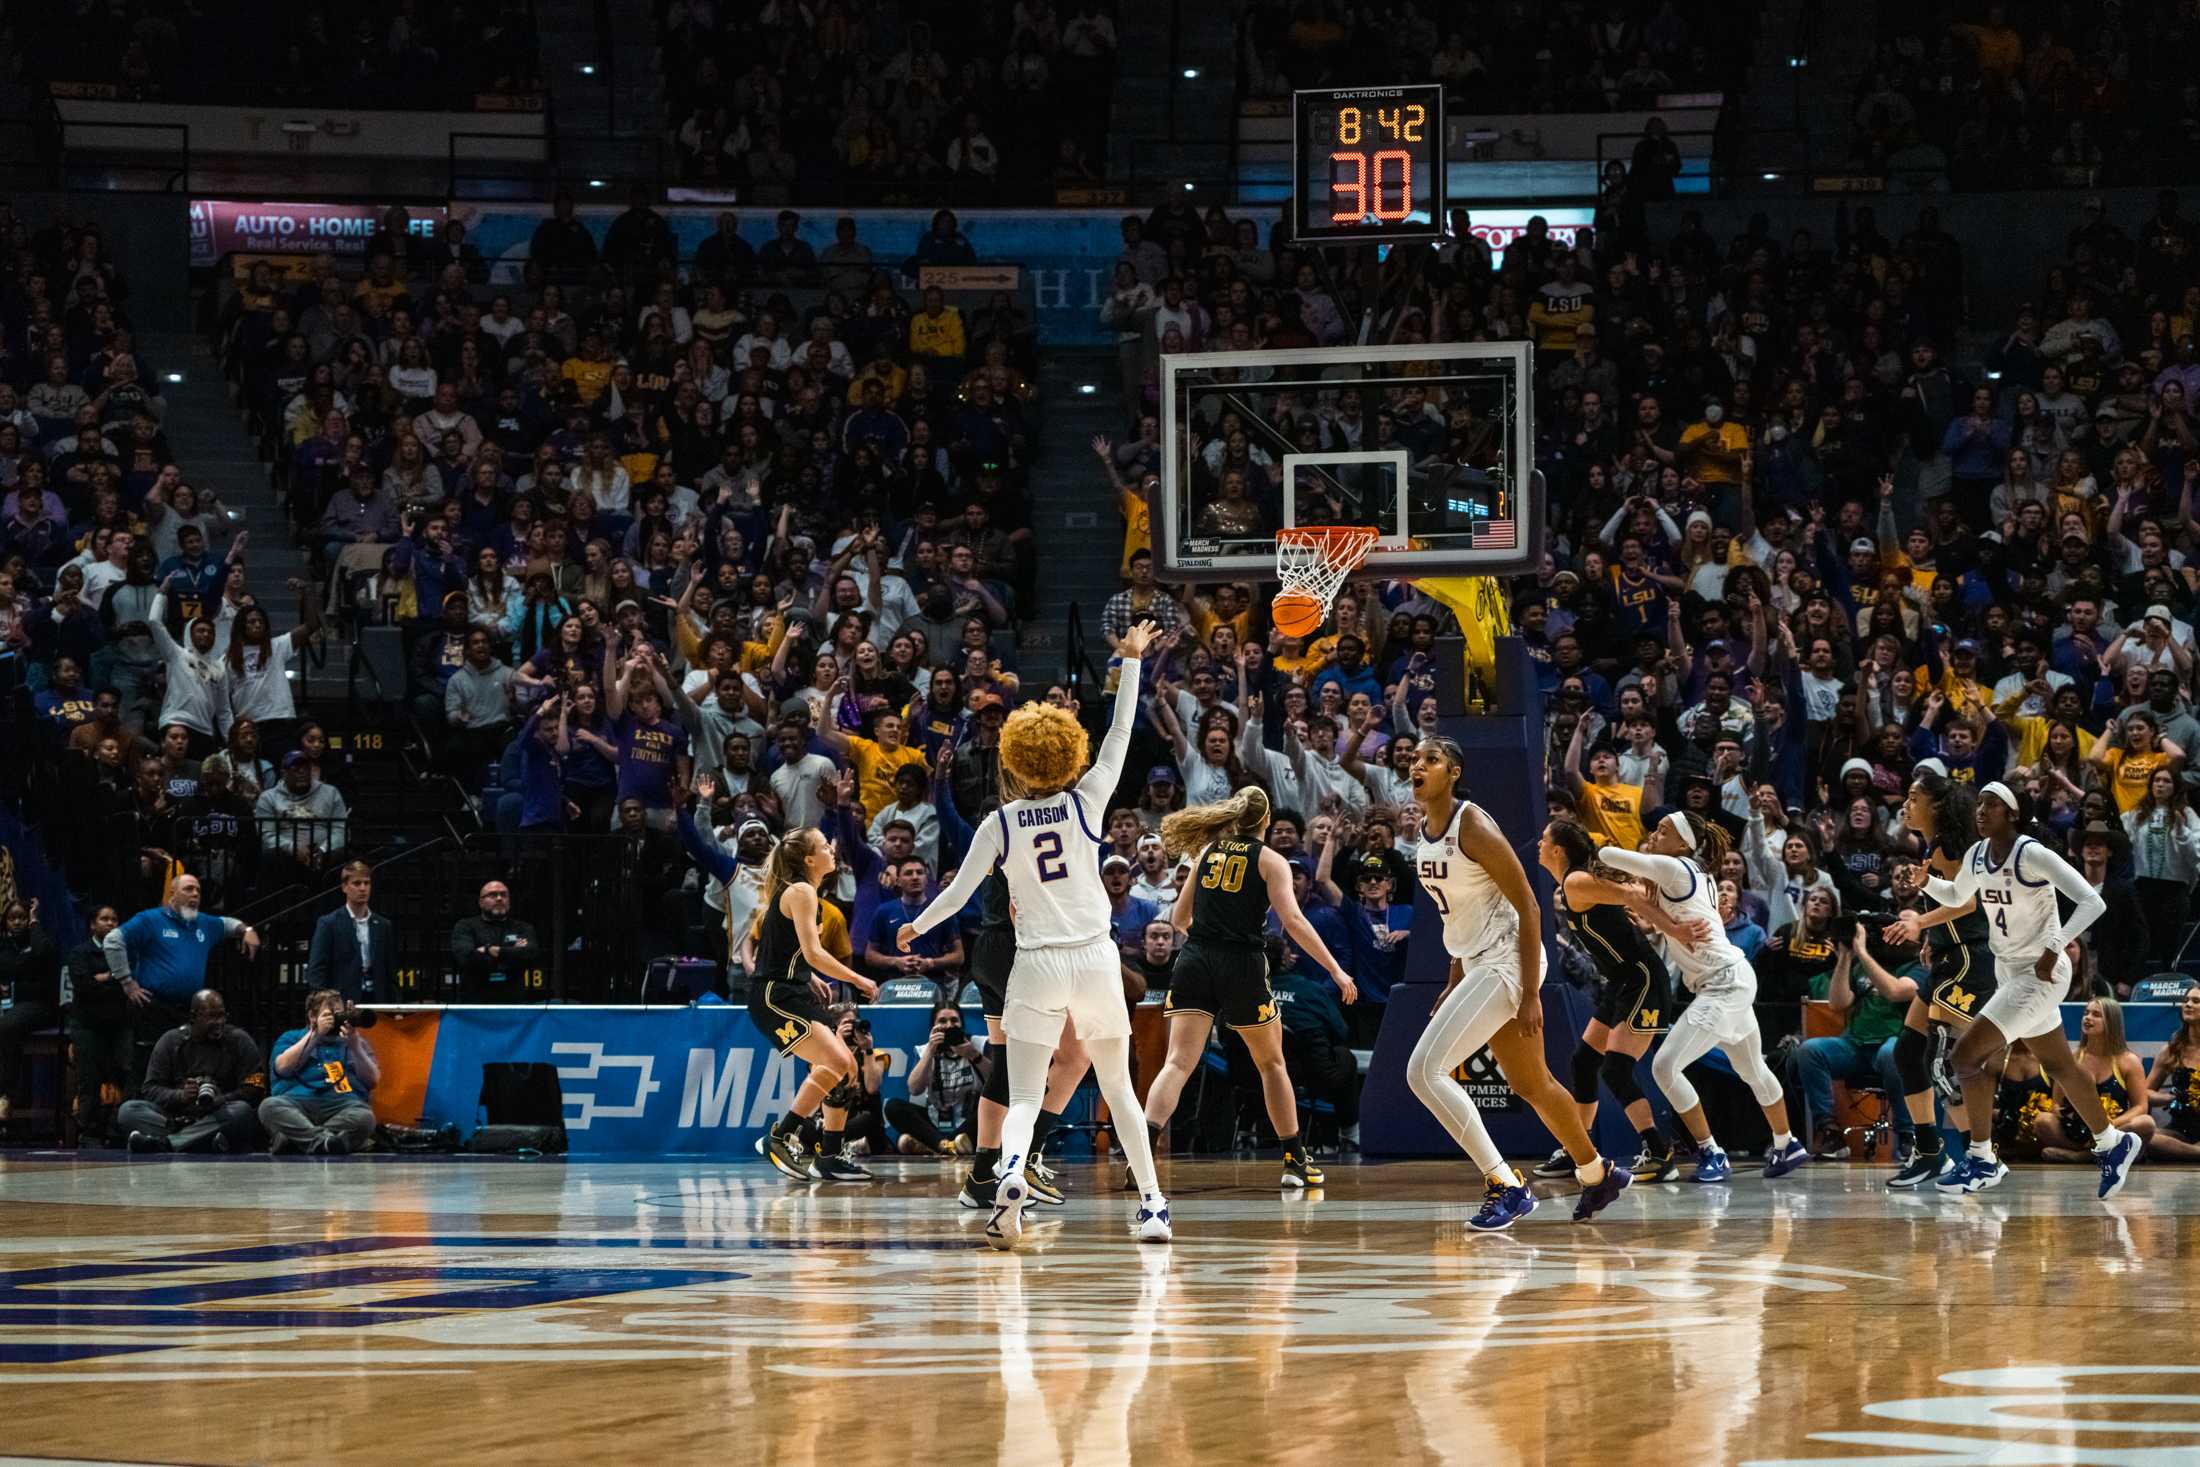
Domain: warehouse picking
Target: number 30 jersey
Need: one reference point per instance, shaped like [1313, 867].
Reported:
[1229, 899]
[1477, 919]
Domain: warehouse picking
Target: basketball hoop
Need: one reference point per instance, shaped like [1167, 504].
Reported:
[1312, 562]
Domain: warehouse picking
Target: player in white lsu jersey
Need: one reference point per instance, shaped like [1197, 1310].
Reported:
[1046, 838]
[1493, 932]
[2014, 880]
[1680, 858]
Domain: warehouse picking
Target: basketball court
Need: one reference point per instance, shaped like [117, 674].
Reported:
[246, 1311]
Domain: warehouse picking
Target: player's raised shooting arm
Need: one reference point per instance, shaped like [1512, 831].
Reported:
[1107, 767]
[984, 854]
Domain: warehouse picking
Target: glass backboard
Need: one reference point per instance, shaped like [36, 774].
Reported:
[1430, 446]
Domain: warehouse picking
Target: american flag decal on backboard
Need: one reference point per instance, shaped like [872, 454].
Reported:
[1495, 535]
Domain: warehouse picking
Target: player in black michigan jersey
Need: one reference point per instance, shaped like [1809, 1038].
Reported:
[1222, 972]
[1634, 994]
[788, 1005]
[1943, 815]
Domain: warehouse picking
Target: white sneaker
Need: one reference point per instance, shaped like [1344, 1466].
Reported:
[1009, 1198]
[1152, 1224]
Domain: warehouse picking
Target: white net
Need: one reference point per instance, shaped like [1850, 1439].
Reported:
[1317, 560]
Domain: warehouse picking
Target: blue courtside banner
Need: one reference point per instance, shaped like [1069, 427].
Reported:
[649, 1081]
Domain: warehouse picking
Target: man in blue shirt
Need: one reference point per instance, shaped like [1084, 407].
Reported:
[159, 957]
[1374, 948]
[1127, 914]
[1348, 668]
[322, 1075]
[191, 579]
[937, 955]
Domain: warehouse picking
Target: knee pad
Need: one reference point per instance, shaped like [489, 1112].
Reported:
[1618, 1071]
[1581, 1075]
[995, 1087]
[1909, 1061]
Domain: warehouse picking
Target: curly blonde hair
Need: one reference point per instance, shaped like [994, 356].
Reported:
[1043, 750]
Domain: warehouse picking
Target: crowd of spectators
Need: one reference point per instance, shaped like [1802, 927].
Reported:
[433, 56]
[792, 102]
[1995, 95]
[1512, 57]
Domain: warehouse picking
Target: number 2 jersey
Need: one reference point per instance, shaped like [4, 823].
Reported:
[1049, 848]
[2016, 895]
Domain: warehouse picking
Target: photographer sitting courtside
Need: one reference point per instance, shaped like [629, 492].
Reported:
[941, 1113]
[201, 1087]
[322, 1074]
[851, 1111]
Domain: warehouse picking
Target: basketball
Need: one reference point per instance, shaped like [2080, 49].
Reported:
[1296, 614]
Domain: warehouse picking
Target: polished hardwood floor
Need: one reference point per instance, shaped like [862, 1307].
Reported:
[430, 1312]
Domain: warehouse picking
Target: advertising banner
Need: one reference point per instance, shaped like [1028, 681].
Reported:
[635, 1081]
[229, 226]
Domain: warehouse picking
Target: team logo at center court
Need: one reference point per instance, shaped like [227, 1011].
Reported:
[923, 1306]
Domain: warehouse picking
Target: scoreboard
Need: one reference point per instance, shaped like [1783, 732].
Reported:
[1368, 164]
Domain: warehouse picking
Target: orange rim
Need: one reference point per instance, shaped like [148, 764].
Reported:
[1339, 544]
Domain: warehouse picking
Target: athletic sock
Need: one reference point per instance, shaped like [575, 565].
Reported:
[1710, 1147]
[1654, 1142]
[982, 1167]
[1591, 1174]
[2104, 1140]
[1049, 1122]
[1504, 1175]
[787, 1124]
[1290, 1143]
[1782, 1140]
[1928, 1140]
[1983, 1151]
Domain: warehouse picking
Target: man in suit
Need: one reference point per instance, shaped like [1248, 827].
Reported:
[353, 947]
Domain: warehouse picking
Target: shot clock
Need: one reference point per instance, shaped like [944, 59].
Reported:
[1368, 164]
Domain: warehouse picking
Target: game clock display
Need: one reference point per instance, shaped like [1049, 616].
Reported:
[1370, 163]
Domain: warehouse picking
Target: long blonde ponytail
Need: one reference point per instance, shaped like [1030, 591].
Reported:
[788, 863]
[1187, 831]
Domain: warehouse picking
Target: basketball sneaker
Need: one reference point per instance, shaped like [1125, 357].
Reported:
[975, 1194]
[1603, 1192]
[1502, 1206]
[1713, 1166]
[1955, 1179]
[1152, 1224]
[838, 1166]
[1038, 1170]
[1651, 1166]
[785, 1154]
[1919, 1170]
[1043, 1190]
[1010, 1196]
[1984, 1175]
[1299, 1172]
[1557, 1164]
[2116, 1164]
[1782, 1160]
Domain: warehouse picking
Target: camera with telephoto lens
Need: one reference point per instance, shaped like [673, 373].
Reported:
[952, 1035]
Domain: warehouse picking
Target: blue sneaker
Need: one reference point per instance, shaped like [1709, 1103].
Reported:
[1956, 1179]
[1780, 1163]
[1501, 1208]
[2116, 1164]
[1152, 1224]
[1713, 1166]
[1601, 1193]
[1984, 1174]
